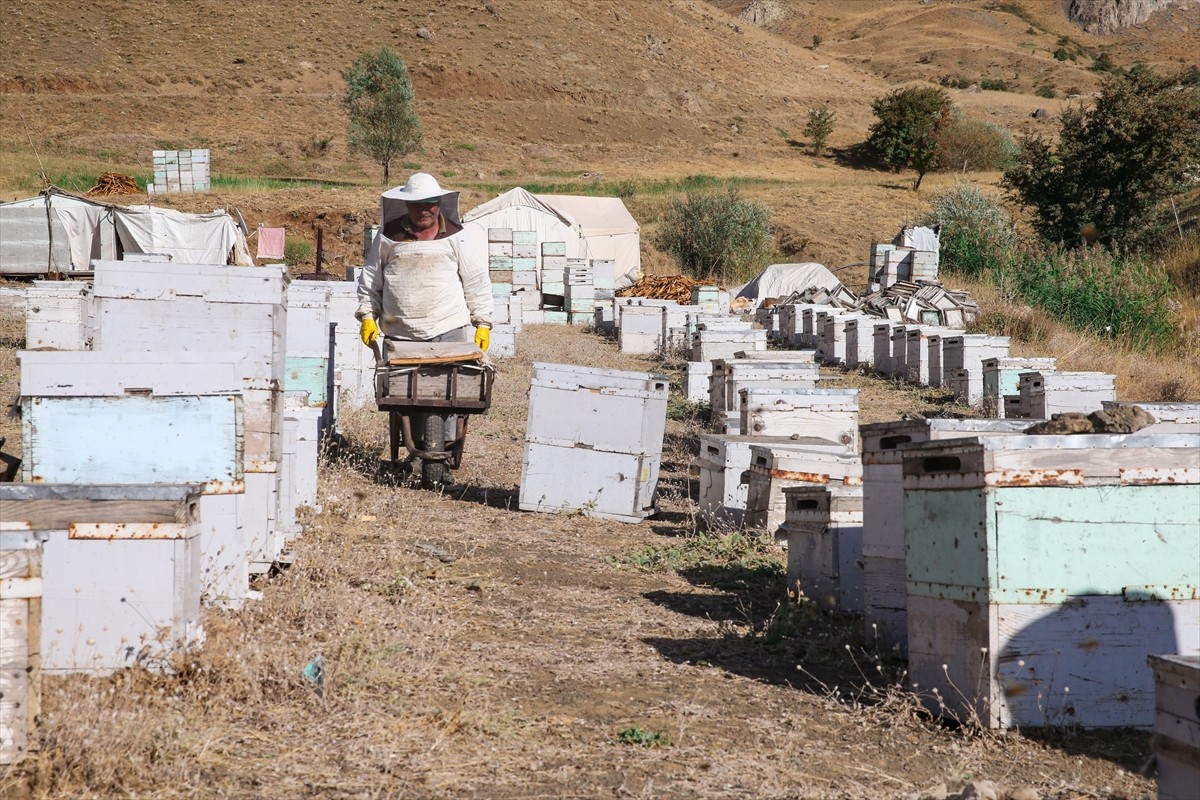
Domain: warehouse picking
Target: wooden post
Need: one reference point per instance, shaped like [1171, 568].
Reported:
[320, 247]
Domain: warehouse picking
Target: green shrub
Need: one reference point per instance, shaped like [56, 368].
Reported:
[819, 126]
[1104, 63]
[994, 85]
[296, 251]
[1109, 293]
[976, 233]
[717, 236]
[1047, 91]
[973, 144]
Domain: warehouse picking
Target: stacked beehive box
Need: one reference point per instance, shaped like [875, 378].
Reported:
[919, 355]
[354, 364]
[307, 368]
[1044, 394]
[884, 579]
[641, 327]
[962, 363]
[58, 315]
[882, 340]
[205, 308]
[774, 468]
[860, 341]
[1001, 379]
[898, 345]
[20, 633]
[833, 347]
[730, 376]
[180, 171]
[1044, 570]
[120, 583]
[1176, 741]
[714, 340]
[830, 414]
[593, 442]
[823, 526]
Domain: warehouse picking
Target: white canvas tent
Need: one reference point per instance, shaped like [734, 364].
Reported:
[780, 280]
[58, 232]
[592, 227]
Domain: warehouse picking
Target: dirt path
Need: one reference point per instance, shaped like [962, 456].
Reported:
[510, 665]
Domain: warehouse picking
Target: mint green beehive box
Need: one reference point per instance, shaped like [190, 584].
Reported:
[1042, 571]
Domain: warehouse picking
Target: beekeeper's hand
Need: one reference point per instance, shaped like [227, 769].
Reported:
[483, 337]
[369, 331]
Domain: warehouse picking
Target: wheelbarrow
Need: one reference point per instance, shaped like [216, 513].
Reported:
[421, 385]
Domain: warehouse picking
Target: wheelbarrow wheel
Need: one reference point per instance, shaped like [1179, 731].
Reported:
[433, 473]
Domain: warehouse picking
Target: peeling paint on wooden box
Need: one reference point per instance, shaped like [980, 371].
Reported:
[1043, 570]
[20, 640]
[775, 467]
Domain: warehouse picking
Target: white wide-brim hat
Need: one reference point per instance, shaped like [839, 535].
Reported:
[420, 186]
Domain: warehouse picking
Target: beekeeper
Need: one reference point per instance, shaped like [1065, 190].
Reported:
[426, 284]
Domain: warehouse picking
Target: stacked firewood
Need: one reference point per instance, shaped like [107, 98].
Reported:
[109, 183]
[662, 287]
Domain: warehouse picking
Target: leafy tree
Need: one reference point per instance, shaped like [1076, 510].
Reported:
[1116, 163]
[907, 128]
[818, 128]
[379, 101]
[717, 236]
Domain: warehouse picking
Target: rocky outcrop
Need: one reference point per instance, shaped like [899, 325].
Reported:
[1102, 17]
[763, 13]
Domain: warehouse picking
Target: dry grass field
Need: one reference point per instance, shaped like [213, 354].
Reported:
[473, 650]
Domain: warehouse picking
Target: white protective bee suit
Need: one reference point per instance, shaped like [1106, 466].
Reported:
[426, 290]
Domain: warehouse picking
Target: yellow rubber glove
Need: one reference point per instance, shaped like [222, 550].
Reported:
[483, 337]
[369, 331]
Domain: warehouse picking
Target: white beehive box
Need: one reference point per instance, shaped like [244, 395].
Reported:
[308, 341]
[968, 352]
[58, 315]
[882, 340]
[860, 342]
[120, 573]
[641, 329]
[832, 348]
[823, 525]
[885, 593]
[738, 374]
[775, 467]
[354, 364]
[143, 417]
[1044, 570]
[919, 355]
[898, 362]
[20, 631]
[722, 468]
[298, 470]
[1176, 740]
[698, 376]
[503, 343]
[823, 413]
[676, 328]
[709, 344]
[594, 441]
[1001, 378]
[1045, 394]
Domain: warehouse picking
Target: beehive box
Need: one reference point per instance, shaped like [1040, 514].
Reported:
[775, 467]
[722, 468]
[503, 342]
[677, 326]
[594, 441]
[1176, 740]
[824, 413]
[737, 374]
[968, 352]
[20, 636]
[712, 343]
[698, 376]
[153, 417]
[825, 339]
[1044, 570]
[919, 352]
[641, 329]
[1045, 394]
[882, 341]
[120, 572]
[884, 581]
[308, 340]
[58, 315]
[860, 342]
[823, 526]
[833, 347]
[1001, 377]
[298, 470]
[898, 364]
[354, 364]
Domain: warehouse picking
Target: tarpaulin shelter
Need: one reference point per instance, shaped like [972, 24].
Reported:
[59, 232]
[781, 280]
[591, 227]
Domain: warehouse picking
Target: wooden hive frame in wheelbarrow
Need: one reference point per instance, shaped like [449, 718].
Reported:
[432, 377]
